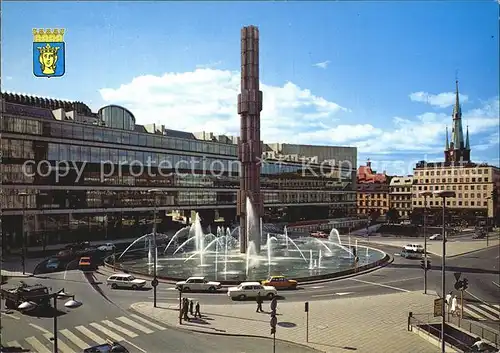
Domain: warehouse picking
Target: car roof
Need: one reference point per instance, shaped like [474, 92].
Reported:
[250, 283]
[196, 277]
[276, 276]
[122, 275]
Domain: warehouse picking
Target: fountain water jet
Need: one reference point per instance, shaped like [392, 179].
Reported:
[177, 234]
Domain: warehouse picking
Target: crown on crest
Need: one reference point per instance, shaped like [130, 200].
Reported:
[48, 49]
[48, 35]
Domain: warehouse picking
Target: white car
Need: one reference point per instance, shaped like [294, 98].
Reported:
[414, 247]
[107, 247]
[198, 284]
[436, 236]
[251, 290]
[123, 280]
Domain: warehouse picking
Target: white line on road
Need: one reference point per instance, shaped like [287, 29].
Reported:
[380, 285]
[39, 347]
[63, 347]
[74, 338]
[13, 344]
[10, 315]
[317, 287]
[483, 312]
[97, 339]
[115, 337]
[120, 328]
[496, 284]
[135, 325]
[473, 314]
[158, 327]
[39, 328]
[137, 347]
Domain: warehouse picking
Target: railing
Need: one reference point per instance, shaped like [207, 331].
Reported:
[477, 329]
[435, 332]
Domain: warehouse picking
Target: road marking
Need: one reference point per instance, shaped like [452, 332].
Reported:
[129, 322]
[137, 347]
[317, 287]
[496, 306]
[11, 316]
[63, 347]
[91, 335]
[483, 312]
[152, 324]
[473, 314]
[323, 295]
[491, 308]
[39, 328]
[380, 285]
[344, 293]
[496, 284]
[120, 328]
[35, 343]
[13, 344]
[109, 333]
[74, 338]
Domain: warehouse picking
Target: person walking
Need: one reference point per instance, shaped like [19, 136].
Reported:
[191, 307]
[454, 305]
[197, 312]
[259, 304]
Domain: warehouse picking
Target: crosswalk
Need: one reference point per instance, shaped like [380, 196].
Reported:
[120, 329]
[482, 312]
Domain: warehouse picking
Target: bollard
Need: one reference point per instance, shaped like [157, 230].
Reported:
[410, 315]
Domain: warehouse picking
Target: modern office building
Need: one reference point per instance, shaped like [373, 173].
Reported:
[400, 195]
[476, 184]
[372, 192]
[70, 174]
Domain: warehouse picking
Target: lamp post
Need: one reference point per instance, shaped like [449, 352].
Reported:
[425, 194]
[443, 194]
[155, 192]
[487, 213]
[23, 195]
[70, 304]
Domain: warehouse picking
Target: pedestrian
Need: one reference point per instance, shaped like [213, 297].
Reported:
[448, 298]
[454, 305]
[259, 304]
[185, 310]
[191, 305]
[197, 312]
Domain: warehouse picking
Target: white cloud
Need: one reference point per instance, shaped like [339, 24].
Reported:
[323, 64]
[206, 99]
[441, 100]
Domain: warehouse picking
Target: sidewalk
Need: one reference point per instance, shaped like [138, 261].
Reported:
[14, 268]
[366, 324]
[453, 248]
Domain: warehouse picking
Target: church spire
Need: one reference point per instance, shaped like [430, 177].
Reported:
[457, 134]
[447, 146]
[467, 144]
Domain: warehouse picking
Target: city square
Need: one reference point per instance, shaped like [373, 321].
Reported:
[219, 205]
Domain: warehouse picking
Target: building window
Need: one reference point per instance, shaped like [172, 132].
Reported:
[472, 203]
[466, 203]
[485, 203]
[485, 180]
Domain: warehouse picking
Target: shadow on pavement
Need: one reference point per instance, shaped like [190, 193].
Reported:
[92, 280]
[44, 312]
[13, 349]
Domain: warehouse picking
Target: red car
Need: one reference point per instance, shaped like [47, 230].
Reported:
[319, 235]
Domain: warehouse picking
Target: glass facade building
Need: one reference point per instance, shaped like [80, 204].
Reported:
[64, 180]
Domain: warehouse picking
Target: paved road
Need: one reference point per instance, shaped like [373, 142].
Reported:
[99, 320]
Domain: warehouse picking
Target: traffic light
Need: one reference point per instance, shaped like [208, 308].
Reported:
[428, 264]
[458, 285]
[465, 284]
[424, 265]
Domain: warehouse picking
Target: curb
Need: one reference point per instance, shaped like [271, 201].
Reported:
[228, 334]
[472, 251]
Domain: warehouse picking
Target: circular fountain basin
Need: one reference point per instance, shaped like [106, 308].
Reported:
[304, 261]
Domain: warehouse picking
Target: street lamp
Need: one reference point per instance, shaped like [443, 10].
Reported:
[155, 192]
[23, 195]
[425, 194]
[444, 194]
[70, 304]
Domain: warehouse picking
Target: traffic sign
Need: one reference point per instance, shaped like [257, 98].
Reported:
[306, 307]
[438, 307]
[274, 321]
[457, 275]
[154, 282]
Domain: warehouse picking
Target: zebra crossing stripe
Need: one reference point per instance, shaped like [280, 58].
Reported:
[491, 310]
[74, 338]
[473, 314]
[115, 337]
[35, 343]
[135, 325]
[63, 347]
[497, 306]
[152, 324]
[91, 335]
[120, 328]
[13, 344]
[484, 313]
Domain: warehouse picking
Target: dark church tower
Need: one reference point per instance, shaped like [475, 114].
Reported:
[458, 150]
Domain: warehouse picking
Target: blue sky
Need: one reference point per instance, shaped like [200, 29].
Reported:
[336, 73]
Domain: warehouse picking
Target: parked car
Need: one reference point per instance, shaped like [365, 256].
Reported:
[124, 280]
[280, 282]
[107, 247]
[198, 284]
[251, 290]
[52, 264]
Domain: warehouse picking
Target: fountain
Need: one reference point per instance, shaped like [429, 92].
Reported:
[217, 256]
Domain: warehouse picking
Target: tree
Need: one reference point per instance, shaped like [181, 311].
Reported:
[392, 215]
[374, 215]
